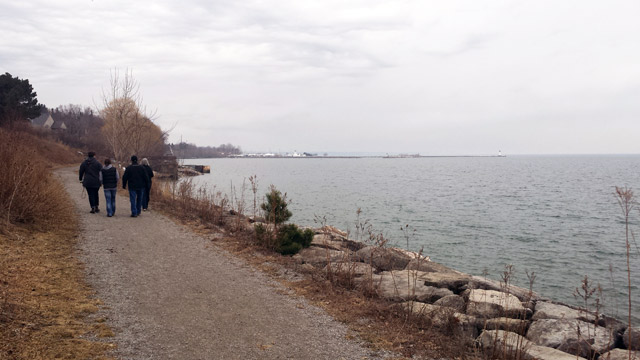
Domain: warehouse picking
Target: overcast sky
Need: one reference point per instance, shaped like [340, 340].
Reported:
[398, 76]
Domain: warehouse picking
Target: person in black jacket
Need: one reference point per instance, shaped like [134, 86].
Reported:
[147, 191]
[90, 177]
[109, 177]
[138, 180]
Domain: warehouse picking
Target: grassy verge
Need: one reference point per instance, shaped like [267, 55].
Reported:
[44, 301]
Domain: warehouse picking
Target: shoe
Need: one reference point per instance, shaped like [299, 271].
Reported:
[93, 210]
[109, 215]
[144, 209]
[133, 215]
[97, 210]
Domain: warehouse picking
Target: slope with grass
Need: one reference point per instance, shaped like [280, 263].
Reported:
[45, 303]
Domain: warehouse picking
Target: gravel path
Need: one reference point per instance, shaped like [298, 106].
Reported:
[172, 294]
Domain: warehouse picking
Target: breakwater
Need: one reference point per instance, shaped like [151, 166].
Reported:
[502, 317]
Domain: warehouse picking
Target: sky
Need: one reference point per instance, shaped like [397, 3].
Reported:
[455, 77]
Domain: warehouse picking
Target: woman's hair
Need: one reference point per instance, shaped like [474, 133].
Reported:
[145, 161]
[107, 161]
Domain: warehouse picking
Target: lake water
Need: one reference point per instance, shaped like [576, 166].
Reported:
[556, 216]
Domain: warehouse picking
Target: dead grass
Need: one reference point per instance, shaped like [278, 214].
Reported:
[44, 302]
[28, 192]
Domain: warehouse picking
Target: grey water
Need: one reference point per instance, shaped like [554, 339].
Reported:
[557, 216]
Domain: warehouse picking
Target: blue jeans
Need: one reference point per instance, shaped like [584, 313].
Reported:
[110, 199]
[135, 196]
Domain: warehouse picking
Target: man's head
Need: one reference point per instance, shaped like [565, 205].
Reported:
[107, 161]
[91, 154]
[134, 159]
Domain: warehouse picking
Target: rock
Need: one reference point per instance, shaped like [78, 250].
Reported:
[326, 242]
[443, 317]
[383, 259]
[332, 231]
[456, 302]
[429, 266]
[518, 326]
[320, 257]
[501, 342]
[571, 335]
[620, 354]
[395, 287]
[547, 310]
[308, 268]
[523, 294]
[491, 304]
[635, 338]
[351, 268]
[453, 281]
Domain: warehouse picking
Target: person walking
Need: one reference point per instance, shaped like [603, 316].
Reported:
[90, 176]
[147, 191]
[138, 180]
[109, 177]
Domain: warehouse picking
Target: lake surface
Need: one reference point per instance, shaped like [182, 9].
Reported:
[556, 216]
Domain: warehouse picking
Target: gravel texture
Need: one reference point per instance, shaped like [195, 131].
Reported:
[171, 294]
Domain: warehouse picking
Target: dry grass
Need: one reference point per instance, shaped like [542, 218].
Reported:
[28, 192]
[44, 302]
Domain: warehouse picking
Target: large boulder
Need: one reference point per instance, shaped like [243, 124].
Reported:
[455, 302]
[548, 310]
[523, 294]
[574, 336]
[406, 285]
[425, 265]
[620, 354]
[326, 242]
[518, 326]
[511, 345]
[320, 257]
[383, 259]
[443, 317]
[491, 304]
[350, 268]
[635, 338]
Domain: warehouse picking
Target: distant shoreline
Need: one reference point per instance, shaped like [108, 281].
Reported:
[352, 157]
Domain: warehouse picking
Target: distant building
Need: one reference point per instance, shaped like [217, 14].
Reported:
[46, 121]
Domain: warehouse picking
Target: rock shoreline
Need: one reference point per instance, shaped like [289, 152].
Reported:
[500, 318]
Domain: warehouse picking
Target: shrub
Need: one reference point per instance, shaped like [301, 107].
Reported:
[291, 239]
[287, 240]
[275, 206]
[29, 192]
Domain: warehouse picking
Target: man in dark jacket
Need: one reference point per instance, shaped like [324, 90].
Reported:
[90, 177]
[138, 180]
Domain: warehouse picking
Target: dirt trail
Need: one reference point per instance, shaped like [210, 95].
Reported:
[172, 294]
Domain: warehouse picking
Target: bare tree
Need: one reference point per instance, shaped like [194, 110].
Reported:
[128, 126]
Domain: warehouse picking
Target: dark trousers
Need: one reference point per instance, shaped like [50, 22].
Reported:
[92, 194]
[145, 202]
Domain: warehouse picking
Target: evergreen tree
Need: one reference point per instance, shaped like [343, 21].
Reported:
[18, 101]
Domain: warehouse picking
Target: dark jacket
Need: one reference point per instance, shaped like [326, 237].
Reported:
[109, 176]
[90, 173]
[149, 171]
[136, 176]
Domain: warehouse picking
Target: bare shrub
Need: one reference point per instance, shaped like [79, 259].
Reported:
[29, 193]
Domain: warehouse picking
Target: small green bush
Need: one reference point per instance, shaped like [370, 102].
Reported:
[287, 241]
[275, 207]
[291, 239]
